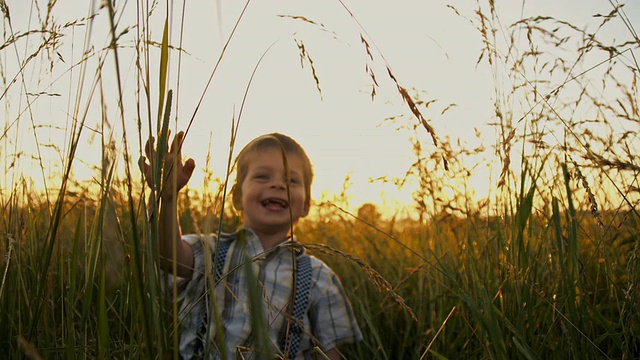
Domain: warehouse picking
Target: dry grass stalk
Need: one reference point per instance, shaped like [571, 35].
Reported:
[378, 280]
[368, 67]
[7, 258]
[617, 164]
[424, 354]
[5, 9]
[506, 161]
[29, 349]
[304, 56]
[593, 205]
[401, 89]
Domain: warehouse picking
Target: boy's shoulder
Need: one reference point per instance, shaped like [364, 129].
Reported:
[323, 271]
[316, 263]
[226, 236]
[193, 239]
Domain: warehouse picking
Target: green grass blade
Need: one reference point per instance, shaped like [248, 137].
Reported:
[103, 321]
[162, 76]
[258, 318]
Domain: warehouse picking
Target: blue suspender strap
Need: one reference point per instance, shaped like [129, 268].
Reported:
[223, 250]
[300, 304]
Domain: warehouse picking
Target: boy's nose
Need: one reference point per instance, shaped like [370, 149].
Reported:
[279, 183]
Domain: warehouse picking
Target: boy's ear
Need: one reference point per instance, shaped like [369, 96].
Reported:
[236, 197]
[305, 211]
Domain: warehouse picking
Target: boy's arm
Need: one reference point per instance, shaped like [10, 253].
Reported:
[177, 174]
[333, 354]
[170, 235]
[333, 317]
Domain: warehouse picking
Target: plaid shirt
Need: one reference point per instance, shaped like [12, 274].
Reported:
[328, 322]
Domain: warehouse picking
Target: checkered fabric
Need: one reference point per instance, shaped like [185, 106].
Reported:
[300, 302]
[327, 321]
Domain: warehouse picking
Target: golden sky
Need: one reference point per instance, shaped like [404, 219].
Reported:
[427, 45]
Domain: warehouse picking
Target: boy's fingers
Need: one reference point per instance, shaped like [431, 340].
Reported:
[176, 144]
[188, 167]
[148, 147]
[144, 167]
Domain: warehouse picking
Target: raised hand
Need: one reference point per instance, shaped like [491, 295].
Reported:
[176, 172]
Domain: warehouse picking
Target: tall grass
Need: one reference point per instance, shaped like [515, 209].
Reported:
[546, 266]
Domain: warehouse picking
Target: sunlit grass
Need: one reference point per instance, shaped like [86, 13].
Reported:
[546, 266]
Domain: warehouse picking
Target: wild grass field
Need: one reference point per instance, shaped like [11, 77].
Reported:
[546, 266]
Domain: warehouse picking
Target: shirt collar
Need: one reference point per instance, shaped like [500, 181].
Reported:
[255, 246]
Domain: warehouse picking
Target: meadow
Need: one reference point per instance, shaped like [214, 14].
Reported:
[546, 266]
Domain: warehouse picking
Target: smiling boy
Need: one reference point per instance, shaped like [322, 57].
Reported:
[272, 191]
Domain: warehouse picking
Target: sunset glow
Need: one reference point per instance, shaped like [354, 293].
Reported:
[346, 130]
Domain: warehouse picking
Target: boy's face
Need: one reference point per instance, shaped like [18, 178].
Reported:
[265, 206]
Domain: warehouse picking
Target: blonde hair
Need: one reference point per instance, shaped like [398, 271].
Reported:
[264, 142]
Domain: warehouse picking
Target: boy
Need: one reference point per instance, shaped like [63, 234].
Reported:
[272, 191]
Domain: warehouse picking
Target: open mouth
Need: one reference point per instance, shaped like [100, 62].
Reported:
[273, 203]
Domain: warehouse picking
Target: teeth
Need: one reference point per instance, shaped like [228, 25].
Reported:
[275, 201]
